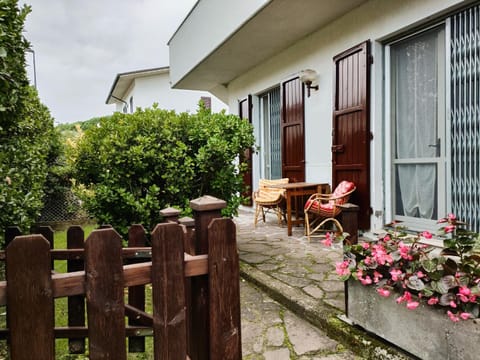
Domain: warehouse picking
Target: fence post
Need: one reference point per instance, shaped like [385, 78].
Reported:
[76, 304]
[136, 294]
[30, 308]
[170, 214]
[189, 240]
[349, 221]
[104, 293]
[224, 284]
[169, 315]
[204, 209]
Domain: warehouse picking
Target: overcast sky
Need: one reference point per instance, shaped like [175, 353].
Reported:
[81, 45]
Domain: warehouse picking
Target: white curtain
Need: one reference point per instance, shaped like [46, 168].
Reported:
[416, 72]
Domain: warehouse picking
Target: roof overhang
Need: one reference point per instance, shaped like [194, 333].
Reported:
[275, 27]
[123, 82]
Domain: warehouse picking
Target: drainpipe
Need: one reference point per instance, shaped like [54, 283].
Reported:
[123, 101]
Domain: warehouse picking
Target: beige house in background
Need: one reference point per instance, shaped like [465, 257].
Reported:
[142, 88]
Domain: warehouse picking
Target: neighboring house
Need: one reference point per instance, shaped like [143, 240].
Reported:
[394, 104]
[142, 88]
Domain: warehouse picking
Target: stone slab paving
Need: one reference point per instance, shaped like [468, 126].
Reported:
[300, 275]
[270, 331]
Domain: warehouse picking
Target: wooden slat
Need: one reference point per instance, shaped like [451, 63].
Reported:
[136, 294]
[82, 331]
[169, 320]
[224, 285]
[30, 313]
[70, 284]
[76, 304]
[104, 293]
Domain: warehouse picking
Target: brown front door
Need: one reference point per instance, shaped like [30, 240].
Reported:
[351, 125]
[292, 130]
[245, 112]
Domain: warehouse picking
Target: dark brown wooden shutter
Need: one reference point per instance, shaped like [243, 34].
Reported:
[292, 128]
[245, 112]
[351, 125]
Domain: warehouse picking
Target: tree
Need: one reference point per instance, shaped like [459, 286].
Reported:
[133, 165]
[26, 127]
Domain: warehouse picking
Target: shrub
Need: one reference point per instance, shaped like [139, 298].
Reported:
[131, 166]
[26, 127]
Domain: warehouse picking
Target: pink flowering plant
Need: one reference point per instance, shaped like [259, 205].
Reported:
[399, 264]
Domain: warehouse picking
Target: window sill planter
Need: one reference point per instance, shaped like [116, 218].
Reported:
[424, 332]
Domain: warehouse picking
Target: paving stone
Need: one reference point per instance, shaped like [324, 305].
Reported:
[305, 338]
[279, 354]
[254, 258]
[275, 336]
[314, 290]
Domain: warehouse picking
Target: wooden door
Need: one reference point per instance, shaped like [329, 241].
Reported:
[245, 112]
[292, 130]
[351, 125]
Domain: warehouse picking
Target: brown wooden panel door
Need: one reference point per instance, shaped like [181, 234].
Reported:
[351, 125]
[245, 112]
[292, 130]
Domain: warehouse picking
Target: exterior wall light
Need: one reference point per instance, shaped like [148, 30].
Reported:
[308, 76]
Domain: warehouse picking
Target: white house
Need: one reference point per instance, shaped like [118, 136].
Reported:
[142, 88]
[393, 106]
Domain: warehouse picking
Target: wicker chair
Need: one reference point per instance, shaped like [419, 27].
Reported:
[321, 209]
[267, 198]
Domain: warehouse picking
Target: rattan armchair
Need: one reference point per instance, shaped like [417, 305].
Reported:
[267, 198]
[322, 209]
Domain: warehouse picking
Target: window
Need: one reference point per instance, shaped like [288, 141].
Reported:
[433, 85]
[270, 146]
[131, 104]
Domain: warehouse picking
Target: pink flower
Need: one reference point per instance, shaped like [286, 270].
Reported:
[473, 298]
[405, 297]
[420, 274]
[327, 242]
[463, 290]
[367, 280]
[404, 251]
[465, 315]
[451, 217]
[452, 316]
[449, 228]
[432, 301]
[427, 234]
[411, 305]
[453, 304]
[365, 246]
[383, 292]
[342, 268]
[396, 273]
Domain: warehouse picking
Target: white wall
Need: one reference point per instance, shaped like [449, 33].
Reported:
[207, 27]
[156, 88]
[376, 20]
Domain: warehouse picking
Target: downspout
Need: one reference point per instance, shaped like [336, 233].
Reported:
[123, 101]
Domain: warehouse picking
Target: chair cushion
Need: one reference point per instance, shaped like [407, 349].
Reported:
[328, 208]
[266, 194]
[343, 188]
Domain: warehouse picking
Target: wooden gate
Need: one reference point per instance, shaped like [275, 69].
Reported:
[30, 290]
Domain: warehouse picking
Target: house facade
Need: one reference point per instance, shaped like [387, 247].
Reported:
[141, 88]
[392, 102]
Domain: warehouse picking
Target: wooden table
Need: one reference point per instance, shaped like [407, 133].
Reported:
[297, 191]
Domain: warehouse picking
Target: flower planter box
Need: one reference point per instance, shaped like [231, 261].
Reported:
[425, 332]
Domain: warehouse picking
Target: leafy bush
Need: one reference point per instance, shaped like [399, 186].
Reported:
[26, 127]
[131, 166]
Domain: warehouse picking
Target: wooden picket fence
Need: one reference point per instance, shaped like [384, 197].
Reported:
[195, 297]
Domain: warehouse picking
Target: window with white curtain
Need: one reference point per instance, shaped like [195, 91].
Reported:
[417, 112]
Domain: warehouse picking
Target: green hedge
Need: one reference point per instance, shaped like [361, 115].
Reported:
[131, 166]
